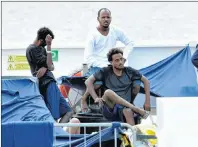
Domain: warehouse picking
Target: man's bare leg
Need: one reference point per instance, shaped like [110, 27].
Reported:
[84, 98]
[128, 114]
[83, 101]
[109, 94]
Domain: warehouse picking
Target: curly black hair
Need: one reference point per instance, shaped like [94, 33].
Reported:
[43, 32]
[112, 52]
[106, 9]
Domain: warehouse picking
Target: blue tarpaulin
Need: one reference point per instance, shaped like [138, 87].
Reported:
[22, 101]
[174, 76]
[26, 121]
[27, 134]
[25, 118]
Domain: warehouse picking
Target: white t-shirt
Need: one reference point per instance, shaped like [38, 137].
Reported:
[98, 45]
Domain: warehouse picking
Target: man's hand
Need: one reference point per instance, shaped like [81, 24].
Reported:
[99, 100]
[51, 68]
[41, 72]
[147, 106]
[48, 39]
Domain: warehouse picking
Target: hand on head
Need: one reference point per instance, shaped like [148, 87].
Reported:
[48, 39]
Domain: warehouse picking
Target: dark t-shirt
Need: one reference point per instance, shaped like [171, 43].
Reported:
[37, 58]
[121, 85]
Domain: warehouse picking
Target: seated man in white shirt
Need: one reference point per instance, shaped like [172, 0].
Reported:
[100, 40]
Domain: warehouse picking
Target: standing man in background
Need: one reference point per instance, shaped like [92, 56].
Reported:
[41, 66]
[100, 40]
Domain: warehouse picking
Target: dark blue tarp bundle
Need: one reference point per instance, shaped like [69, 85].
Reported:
[27, 134]
[174, 76]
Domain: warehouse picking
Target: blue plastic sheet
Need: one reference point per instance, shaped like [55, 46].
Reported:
[174, 76]
[22, 101]
[26, 121]
[27, 134]
[22, 104]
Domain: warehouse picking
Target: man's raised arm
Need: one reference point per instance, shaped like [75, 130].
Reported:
[147, 93]
[49, 53]
[90, 86]
[129, 44]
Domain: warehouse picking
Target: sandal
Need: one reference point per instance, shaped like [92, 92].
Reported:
[86, 110]
[146, 114]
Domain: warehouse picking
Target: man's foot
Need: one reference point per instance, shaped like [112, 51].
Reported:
[143, 113]
[84, 107]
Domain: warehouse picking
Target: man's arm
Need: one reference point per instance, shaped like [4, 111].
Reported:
[49, 53]
[147, 92]
[37, 57]
[50, 64]
[126, 41]
[98, 76]
[90, 86]
[89, 50]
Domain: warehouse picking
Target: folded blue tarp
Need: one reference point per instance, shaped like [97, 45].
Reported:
[174, 76]
[22, 101]
[27, 134]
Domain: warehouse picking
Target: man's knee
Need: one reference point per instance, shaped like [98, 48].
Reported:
[74, 120]
[127, 112]
[73, 130]
[108, 93]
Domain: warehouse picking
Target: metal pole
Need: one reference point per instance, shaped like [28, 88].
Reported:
[100, 135]
[85, 136]
[115, 137]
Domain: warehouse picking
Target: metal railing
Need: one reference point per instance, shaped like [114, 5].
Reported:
[99, 125]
